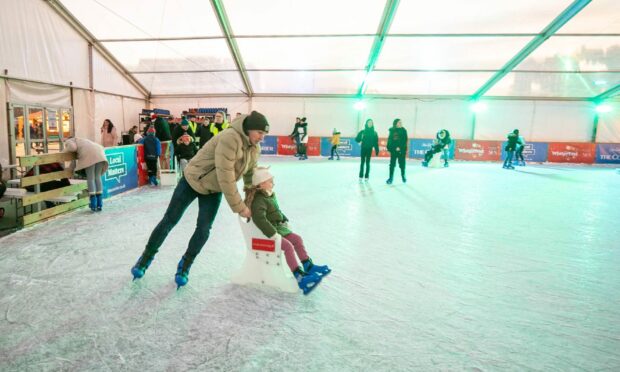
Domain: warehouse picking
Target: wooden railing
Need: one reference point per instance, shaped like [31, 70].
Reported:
[30, 199]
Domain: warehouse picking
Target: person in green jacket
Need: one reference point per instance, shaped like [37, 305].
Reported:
[212, 173]
[268, 217]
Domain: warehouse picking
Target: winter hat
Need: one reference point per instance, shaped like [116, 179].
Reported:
[151, 130]
[261, 174]
[255, 121]
[153, 116]
[184, 121]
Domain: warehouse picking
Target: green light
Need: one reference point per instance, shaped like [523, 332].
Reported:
[478, 107]
[359, 105]
[603, 108]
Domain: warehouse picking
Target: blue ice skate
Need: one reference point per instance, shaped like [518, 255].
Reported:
[182, 275]
[307, 283]
[320, 270]
[140, 267]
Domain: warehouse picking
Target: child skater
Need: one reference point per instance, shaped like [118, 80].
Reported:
[513, 138]
[335, 141]
[519, 159]
[268, 217]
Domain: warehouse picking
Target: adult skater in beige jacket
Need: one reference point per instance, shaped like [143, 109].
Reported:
[90, 157]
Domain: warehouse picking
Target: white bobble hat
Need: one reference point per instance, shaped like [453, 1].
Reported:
[261, 174]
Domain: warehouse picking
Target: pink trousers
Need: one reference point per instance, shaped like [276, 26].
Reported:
[291, 244]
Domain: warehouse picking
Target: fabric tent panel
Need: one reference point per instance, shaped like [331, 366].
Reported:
[131, 109]
[455, 53]
[502, 117]
[176, 55]
[600, 16]
[290, 17]
[36, 93]
[608, 130]
[110, 107]
[281, 112]
[195, 83]
[305, 53]
[425, 83]
[4, 134]
[84, 114]
[453, 115]
[107, 78]
[585, 85]
[383, 112]
[306, 82]
[575, 53]
[119, 19]
[476, 16]
[37, 44]
[563, 121]
[323, 115]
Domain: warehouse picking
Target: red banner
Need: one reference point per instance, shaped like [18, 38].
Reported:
[266, 245]
[478, 150]
[571, 152]
[286, 146]
[143, 176]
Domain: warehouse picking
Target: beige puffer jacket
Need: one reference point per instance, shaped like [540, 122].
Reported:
[88, 152]
[221, 162]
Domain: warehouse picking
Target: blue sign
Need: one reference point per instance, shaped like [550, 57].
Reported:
[533, 151]
[347, 147]
[608, 153]
[419, 147]
[269, 146]
[122, 174]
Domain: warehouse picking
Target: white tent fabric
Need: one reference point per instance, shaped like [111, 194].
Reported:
[44, 94]
[107, 79]
[84, 113]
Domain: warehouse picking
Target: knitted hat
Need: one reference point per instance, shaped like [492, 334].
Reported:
[261, 174]
[184, 121]
[255, 121]
[151, 130]
[153, 116]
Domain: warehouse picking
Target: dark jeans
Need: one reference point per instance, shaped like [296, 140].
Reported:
[183, 196]
[335, 151]
[151, 167]
[297, 145]
[400, 156]
[509, 155]
[519, 154]
[430, 153]
[365, 156]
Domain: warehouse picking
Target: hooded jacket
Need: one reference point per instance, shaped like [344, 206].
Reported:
[397, 139]
[222, 162]
[88, 152]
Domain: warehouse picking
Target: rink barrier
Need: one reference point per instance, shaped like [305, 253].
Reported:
[476, 150]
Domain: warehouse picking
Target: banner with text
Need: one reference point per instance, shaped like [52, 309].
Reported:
[347, 147]
[533, 151]
[269, 146]
[567, 152]
[122, 174]
[608, 153]
[478, 150]
[419, 146]
[286, 146]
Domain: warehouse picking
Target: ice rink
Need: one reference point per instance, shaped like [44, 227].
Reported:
[467, 268]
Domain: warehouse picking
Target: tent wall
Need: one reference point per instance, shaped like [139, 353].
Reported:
[537, 120]
[107, 79]
[4, 125]
[608, 129]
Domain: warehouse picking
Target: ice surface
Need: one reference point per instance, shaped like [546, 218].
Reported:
[467, 268]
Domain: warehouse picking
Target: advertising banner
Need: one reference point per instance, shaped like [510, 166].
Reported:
[608, 153]
[478, 150]
[122, 174]
[571, 152]
[419, 146]
[533, 151]
[286, 146]
[347, 146]
[269, 146]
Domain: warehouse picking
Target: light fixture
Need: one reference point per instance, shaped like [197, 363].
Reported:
[359, 105]
[603, 108]
[600, 82]
[478, 107]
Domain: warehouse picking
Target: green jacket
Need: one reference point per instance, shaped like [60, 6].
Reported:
[221, 162]
[267, 215]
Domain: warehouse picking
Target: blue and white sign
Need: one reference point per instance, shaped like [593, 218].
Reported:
[347, 147]
[533, 151]
[419, 146]
[122, 174]
[269, 146]
[608, 153]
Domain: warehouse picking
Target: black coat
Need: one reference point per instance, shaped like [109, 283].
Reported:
[369, 139]
[183, 151]
[397, 139]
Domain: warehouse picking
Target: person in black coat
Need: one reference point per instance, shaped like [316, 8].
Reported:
[369, 140]
[185, 150]
[296, 135]
[211, 130]
[397, 146]
[441, 143]
[162, 129]
[513, 139]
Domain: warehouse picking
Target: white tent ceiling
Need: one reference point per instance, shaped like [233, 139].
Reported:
[375, 47]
